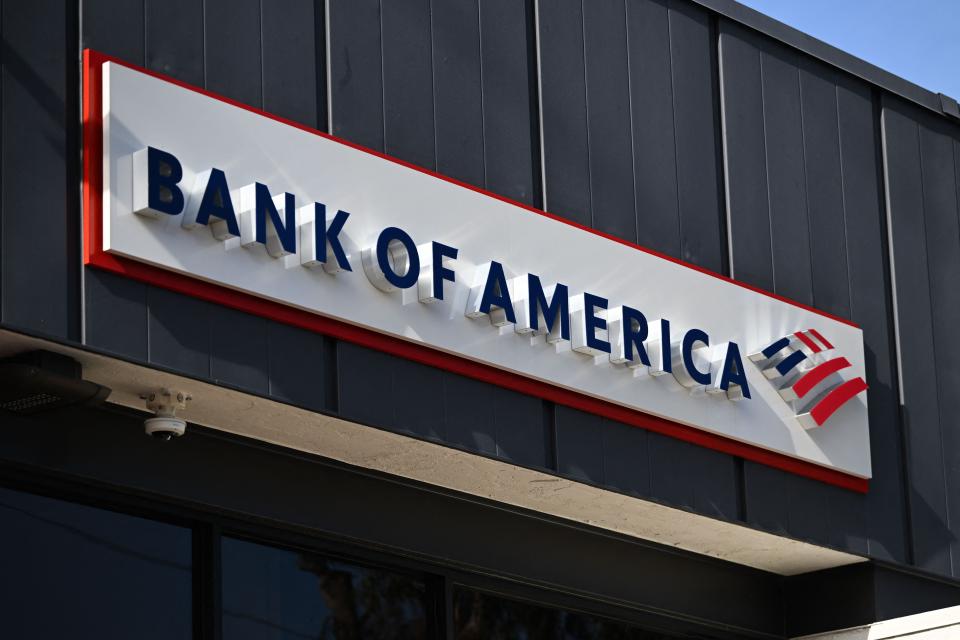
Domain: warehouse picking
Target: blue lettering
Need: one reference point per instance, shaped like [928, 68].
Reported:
[497, 293]
[635, 331]
[557, 308]
[217, 204]
[164, 172]
[325, 234]
[282, 238]
[397, 252]
[692, 337]
[440, 272]
[593, 322]
[733, 371]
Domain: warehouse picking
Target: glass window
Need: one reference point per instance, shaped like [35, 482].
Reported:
[276, 594]
[72, 571]
[480, 616]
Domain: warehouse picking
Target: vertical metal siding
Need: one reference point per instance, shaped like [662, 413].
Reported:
[458, 90]
[232, 49]
[293, 56]
[610, 191]
[38, 192]
[266, 58]
[806, 220]
[511, 134]
[173, 38]
[921, 192]
[632, 127]
[871, 308]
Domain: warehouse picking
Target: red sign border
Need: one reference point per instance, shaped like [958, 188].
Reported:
[93, 255]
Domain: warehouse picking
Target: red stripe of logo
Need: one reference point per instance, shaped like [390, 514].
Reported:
[820, 338]
[819, 373]
[836, 399]
[805, 339]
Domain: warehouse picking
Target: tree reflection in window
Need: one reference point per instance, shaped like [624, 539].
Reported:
[275, 593]
[480, 616]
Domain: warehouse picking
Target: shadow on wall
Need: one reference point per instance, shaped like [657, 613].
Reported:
[45, 96]
[934, 551]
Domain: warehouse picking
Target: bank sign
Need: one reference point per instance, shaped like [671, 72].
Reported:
[192, 192]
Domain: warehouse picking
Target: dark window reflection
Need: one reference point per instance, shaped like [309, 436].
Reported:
[279, 594]
[71, 571]
[479, 616]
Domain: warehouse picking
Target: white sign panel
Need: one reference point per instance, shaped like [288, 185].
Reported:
[197, 186]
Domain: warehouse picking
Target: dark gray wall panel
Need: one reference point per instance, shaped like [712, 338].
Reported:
[150, 324]
[173, 38]
[662, 189]
[566, 153]
[445, 85]
[654, 149]
[362, 375]
[444, 69]
[823, 171]
[408, 119]
[294, 61]
[38, 247]
[114, 27]
[745, 154]
[630, 146]
[522, 436]
[115, 308]
[608, 119]
[635, 461]
[940, 212]
[786, 178]
[204, 340]
[802, 508]
[693, 477]
[925, 462]
[298, 366]
[655, 196]
[494, 421]
[626, 458]
[702, 220]
[356, 79]
[801, 158]
[579, 447]
[231, 32]
[116, 314]
[458, 95]
[510, 126]
[238, 349]
[871, 308]
[469, 409]
[389, 392]
[178, 332]
[950, 373]
[405, 386]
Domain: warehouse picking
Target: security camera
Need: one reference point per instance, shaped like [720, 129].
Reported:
[165, 425]
[165, 428]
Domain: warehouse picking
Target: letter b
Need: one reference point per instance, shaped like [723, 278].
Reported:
[156, 175]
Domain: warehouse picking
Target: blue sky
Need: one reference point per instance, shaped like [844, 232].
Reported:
[915, 39]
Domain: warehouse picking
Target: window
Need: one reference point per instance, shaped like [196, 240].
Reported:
[479, 616]
[74, 571]
[273, 593]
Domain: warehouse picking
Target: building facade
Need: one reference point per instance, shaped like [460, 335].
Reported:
[330, 487]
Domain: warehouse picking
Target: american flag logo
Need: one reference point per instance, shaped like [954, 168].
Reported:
[805, 369]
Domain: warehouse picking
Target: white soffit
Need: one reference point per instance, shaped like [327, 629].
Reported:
[383, 451]
[940, 624]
